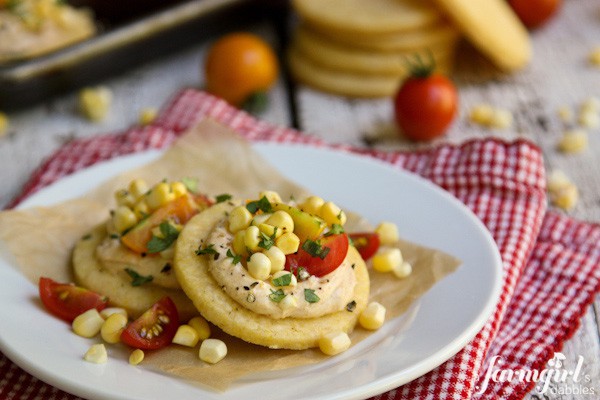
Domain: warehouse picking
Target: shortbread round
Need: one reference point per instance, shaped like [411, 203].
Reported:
[90, 274]
[220, 309]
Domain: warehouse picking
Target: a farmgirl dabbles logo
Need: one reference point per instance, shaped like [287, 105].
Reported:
[555, 378]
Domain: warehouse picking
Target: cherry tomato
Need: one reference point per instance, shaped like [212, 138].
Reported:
[333, 250]
[238, 66]
[155, 328]
[425, 106]
[67, 301]
[535, 13]
[367, 243]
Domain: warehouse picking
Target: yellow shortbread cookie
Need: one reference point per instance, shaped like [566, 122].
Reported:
[493, 28]
[351, 59]
[90, 274]
[220, 309]
[368, 16]
[347, 83]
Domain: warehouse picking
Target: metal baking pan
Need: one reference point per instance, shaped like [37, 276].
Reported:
[129, 36]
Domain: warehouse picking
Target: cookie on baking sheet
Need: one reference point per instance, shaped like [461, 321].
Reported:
[220, 309]
[347, 83]
[345, 58]
[90, 274]
[368, 17]
[493, 28]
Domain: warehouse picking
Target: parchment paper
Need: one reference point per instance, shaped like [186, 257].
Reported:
[40, 240]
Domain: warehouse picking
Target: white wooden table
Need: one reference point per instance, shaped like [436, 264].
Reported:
[558, 76]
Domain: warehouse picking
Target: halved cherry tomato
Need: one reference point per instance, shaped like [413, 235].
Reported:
[155, 328]
[334, 248]
[67, 301]
[535, 13]
[367, 243]
[180, 210]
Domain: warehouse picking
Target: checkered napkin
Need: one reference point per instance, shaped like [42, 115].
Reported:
[551, 262]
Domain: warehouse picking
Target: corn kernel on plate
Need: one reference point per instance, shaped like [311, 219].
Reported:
[433, 330]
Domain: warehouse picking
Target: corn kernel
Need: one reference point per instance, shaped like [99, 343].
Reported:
[594, 57]
[573, 141]
[88, 324]
[108, 311]
[388, 233]
[239, 218]
[212, 350]
[481, 114]
[277, 258]
[589, 119]
[3, 124]
[159, 195]
[260, 219]
[281, 220]
[147, 116]
[179, 189]
[288, 243]
[565, 114]
[136, 357]
[566, 197]
[141, 209]
[501, 119]
[96, 354]
[288, 303]
[201, 326]
[94, 103]
[239, 243]
[334, 343]
[113, 326]
[124, 198]
[259, 266]
[270, 230]
[293, 281]
[252, 237]
[557, 180]
[312, 205]
[123, 218]
[385, 260]
[372, 316]
[332, 214]
[138, 187]
[186, 336]
[272, 196]
[403, 270]
[591, 104]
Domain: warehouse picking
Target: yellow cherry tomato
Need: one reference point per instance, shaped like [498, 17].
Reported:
[239, 65]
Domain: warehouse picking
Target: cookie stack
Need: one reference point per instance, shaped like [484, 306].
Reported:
[361, 48]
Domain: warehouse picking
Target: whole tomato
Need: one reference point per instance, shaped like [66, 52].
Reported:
[534, 13]
[425, 105]
[238, 66]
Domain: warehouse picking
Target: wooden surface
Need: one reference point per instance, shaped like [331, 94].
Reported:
[558, 76]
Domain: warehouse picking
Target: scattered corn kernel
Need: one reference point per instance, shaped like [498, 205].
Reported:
[589, 119]
[159, 195]
[573, 141]
[239, 218]
[3, 124]
[96, 354]
[252, 237]
[566, 197]
[284, 276]
[388, 233]
[332, 214]
[481, 114]
[594, 57]
[138, 187]
[501, 119]
[334, 343]
[557, 180]
[277, 258]
[123, 218]
[288, 243]
[565, 114]
[372, 316]
[94, 103]
[112, 327]
[147, 116]
[201, 326]
[186, 336]
[212, 350]
[403, 270]
[312, 205]
[259, 266]
[282, 220]
[88, 324]
[136, 357]
[272, 196]
[591, 104]
[108, 311]
[385, 260]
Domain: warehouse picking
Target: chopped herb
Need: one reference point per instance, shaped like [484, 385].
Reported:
[223, 197]
[114, 236]
[263, 205]
[191, 184]
[235, 258]
[310, 296]
[137, 279]
[169, 236]
[86, 237]
[277, 295]
[315, 249]
[166, 268]
[351, 306]
[251, 298]
[207, 250]
[302, 274]
[335, 229]
[266, 241]
[253, 284]
[283, 280]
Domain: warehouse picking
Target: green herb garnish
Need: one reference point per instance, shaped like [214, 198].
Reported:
[235, 258]
[276, 295]
[315, 249]
[223, 197]
[335, 230]
[191, 184]
[137, 279]
[310, 296]
[283, 280]
[207, 250]
[266, 241]
[169, 236]
[263, 205]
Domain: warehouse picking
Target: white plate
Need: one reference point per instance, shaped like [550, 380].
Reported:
[436, 328]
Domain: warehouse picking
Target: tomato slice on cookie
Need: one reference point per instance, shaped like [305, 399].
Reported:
[319, 257]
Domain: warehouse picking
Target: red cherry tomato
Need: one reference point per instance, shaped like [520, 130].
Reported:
[367, 243]
[425, 106]
[535, 13]
[67, 301]
[333, 251]
[155, 328]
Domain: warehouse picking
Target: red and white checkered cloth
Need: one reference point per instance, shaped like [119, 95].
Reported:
[551, 262]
